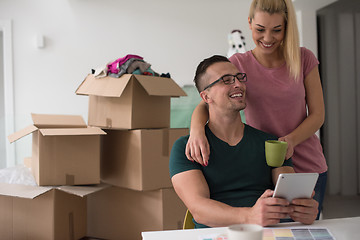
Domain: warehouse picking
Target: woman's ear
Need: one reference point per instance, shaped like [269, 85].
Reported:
[249, 20]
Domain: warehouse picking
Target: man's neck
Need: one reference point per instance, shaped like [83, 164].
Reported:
[227, 127]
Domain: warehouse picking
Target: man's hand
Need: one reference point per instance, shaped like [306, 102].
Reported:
[305, 210]
[268, 210]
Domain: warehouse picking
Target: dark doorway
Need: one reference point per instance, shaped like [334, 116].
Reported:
[339, 56]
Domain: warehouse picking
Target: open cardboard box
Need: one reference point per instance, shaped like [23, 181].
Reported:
[138, 159]
[62, 147]
[44, 213]
[129, 102]
[119, 213]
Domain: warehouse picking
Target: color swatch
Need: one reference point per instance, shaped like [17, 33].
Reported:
[284, 234]
[297, 234]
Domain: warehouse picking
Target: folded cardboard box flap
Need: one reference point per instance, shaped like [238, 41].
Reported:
[72, 131]
[106, 86]
[21, 133]
[58, 121]
[23, 191]
[31, 192]
[82, 191]
[114, 87]
[50, 121]
[159, 86]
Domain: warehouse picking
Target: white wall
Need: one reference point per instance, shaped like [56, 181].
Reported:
[2, 110]
[174, 36]
[306, 11]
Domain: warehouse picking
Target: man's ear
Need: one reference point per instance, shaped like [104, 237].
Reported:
[205, 97]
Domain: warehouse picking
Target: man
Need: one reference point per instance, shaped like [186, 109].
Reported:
[235, 186]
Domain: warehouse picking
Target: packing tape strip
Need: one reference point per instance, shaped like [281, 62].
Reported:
[108, 123]
[71, 226]
[70, 179]
[165, 145]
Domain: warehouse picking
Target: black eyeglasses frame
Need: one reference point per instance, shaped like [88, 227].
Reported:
[241, 77]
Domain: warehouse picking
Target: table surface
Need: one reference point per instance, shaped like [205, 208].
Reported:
[340, 228]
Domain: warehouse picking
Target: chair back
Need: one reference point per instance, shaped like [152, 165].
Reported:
[188, 221]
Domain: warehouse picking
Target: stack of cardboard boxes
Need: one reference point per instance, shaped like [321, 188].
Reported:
[134, 110]
[126, 145]
[62, 146]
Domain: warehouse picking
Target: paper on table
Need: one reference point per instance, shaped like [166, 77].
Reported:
[284, 233]
[214, 236]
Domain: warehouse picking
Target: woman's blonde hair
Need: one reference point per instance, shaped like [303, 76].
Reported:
[290, 46]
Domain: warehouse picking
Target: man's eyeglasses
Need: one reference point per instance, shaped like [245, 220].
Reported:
[229, 79]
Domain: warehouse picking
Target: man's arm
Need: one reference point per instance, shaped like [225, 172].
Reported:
[193, 190]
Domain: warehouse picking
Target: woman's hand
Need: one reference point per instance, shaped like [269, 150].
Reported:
[290, 148]
[197, 148]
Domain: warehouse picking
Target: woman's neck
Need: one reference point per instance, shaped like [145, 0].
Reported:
[273, 60]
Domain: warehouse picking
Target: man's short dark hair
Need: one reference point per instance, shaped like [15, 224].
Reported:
[203, 66]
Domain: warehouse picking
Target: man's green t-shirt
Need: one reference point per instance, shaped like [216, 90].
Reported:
[236, 175]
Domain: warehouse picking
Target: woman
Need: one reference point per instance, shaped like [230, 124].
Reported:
[284, 93]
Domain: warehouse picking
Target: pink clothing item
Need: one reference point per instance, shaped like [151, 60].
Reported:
[114, 67]
[276, 104]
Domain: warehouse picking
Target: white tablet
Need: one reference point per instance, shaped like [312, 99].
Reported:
[295, 185]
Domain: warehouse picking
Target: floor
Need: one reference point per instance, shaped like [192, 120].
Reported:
[341, 206]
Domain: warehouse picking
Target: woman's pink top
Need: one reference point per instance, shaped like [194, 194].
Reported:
[276, 104]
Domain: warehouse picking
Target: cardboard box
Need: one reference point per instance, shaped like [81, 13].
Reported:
[119, 213]
[27, 162]
[62, 147]
[43, 213]
[138, 159]
[129, 102]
